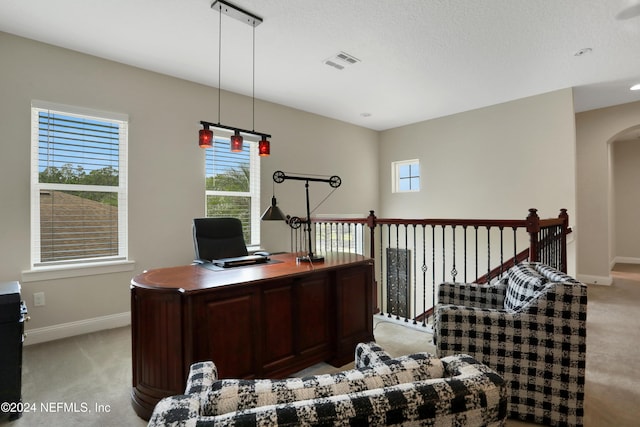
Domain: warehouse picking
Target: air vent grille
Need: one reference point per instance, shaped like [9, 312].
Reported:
[341, 60]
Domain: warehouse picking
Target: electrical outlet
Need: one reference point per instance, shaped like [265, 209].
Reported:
[38, 299]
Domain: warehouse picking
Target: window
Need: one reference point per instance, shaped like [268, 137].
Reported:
[233, 186]
[406, 176]
[78, 185]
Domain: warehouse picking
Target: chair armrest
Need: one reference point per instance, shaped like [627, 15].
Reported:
[471, 294]
[370, 353]
[201, 377]
[478, 331]
[176, 411]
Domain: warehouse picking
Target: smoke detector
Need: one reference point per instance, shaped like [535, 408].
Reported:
[341, 60]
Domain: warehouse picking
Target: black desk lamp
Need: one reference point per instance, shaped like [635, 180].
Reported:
[273, 212]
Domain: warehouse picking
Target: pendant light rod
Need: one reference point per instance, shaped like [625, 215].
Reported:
[236, 12]
[233, 129]
[219, 59]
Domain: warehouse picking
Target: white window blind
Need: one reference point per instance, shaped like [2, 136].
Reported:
[78, 185]
[233, 186]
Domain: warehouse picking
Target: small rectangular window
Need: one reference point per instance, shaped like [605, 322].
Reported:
[406, 176]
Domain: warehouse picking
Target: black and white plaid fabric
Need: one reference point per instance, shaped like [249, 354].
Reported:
[201, 377]
[540, 350]
[236, 394]
[523, 281]
[467, 393]
[370, 353]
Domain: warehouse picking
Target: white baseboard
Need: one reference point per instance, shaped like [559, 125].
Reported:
[379, 318]
[595, 280]
[626, 260]
[86, 326]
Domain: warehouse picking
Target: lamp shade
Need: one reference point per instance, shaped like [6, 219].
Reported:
[236, 142]
[205, 139]
[273, 212]
[264, 147]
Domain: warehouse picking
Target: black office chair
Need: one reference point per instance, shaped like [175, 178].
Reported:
[216, 238]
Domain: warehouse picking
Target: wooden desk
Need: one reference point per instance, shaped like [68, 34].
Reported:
[261, 321]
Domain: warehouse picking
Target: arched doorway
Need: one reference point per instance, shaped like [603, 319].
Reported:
[624, 149]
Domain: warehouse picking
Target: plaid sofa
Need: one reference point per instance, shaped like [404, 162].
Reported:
[530, 327]
[413, 390]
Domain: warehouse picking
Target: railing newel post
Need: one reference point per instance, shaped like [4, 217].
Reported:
[563, 247]
[533, 228]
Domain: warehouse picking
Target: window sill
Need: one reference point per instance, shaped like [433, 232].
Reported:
[63, 272]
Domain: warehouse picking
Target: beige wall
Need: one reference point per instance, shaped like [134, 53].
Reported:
[494, 162]
[626, 183]
[166, 168]
[595, 130]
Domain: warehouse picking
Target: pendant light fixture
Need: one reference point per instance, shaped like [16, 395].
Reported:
[206, 136]
[236, 142]
[205, 139]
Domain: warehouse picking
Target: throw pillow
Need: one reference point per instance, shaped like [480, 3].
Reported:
[522, 284]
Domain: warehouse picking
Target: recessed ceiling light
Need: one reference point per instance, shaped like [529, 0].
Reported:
[635, 87]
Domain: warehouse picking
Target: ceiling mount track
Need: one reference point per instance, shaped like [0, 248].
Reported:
[236, 13]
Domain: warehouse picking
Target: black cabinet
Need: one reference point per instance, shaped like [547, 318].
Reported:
[13, 314]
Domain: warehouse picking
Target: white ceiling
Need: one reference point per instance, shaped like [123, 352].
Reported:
[420, 59]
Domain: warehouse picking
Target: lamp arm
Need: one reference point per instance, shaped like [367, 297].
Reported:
[334, 181]
[279, 177]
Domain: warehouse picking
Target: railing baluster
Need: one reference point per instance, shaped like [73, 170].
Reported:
[488, 254]
[444, 255]
[415, 278]
[501, 250]
[383, 303]
[424, 275]
[454, 272]
[476, 234]
[433, 260]
[407, 267]
[464, 230]
[397, 272]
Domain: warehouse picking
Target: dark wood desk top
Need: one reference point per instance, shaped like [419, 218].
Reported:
[193, 278]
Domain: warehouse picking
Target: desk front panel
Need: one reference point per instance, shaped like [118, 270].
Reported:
[290, 318]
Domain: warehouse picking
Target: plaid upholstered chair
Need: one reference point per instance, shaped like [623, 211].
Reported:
[530, 327]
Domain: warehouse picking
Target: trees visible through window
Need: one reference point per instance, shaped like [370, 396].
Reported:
[233, 186]
[406, 176]
[78, 185]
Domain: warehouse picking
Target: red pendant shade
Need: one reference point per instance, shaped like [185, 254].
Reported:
[264, 147]
[236, 142]
[205, 139]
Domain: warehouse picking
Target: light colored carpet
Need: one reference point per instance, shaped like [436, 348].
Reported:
[86, 380]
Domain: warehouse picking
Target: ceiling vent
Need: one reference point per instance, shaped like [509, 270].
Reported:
[341, 60]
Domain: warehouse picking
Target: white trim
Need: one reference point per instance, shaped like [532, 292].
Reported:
[626, 260]
[64, 271]
[80, 327]
[79, 111]
[383, 318]
[595, 280]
